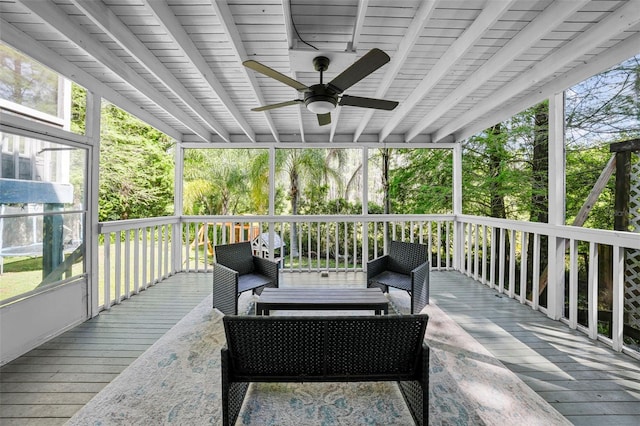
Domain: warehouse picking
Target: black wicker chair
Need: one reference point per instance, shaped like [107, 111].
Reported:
[325, 349]
[405, 267]
[237, 270]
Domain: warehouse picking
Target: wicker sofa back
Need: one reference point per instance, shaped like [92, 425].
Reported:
[325, 349]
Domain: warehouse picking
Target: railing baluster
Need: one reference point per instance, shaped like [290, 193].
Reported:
[152, 244]
[523, 266]
[145, 256]
[430, 243]
[447, 247]
[501, 261]
[118, 278]
[484, 254]
[573, 283]
[535, 287]
[136, 261]
[127, 263]
[467, 250]
[492, 266]
[439, 241]
[512, 263]
[618, 298]
[593, 290]
[475, 251]
[107, 271]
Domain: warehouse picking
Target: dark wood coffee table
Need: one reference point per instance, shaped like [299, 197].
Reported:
[295, 299]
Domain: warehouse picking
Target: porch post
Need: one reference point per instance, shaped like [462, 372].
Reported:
[272, 202]
[458, 226]
[178, 197]
[365, 206]
[91, 236]
[557, 173]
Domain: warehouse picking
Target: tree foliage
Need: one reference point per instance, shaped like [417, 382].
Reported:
[136, 168]
[421, 181]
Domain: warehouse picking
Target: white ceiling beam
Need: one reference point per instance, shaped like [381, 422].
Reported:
[36, 50]
[361, 13]
[108, 22]
[172, 26]
[357, 28]
[288, 25]
[61, 22]
[407, 43]
[225, 16]
[545, 22]
[603, 61]
[487, 17]
[608, 28]
[335, 117]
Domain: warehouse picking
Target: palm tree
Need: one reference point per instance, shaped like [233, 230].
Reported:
[301, 167]
[214, 179]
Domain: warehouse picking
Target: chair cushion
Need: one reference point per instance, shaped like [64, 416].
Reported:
[393, 279]
[238, 257]
[251, 281]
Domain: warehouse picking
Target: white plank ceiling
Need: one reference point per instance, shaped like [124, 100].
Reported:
[457, 67]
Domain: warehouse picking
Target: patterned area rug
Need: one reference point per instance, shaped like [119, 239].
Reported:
[177, 381]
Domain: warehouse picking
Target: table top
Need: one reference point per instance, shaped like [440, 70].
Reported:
[329, 296]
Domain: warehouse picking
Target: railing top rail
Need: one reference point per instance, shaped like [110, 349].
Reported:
[600, 236]
[319, 218]
[124, 225]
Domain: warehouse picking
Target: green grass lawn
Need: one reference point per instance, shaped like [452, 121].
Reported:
[23, 274]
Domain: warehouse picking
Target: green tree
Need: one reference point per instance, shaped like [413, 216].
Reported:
[424, 182]
[136, 168]
[299, 168]
[27, 82]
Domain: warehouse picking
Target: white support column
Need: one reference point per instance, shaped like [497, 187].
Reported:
[272, 199]
[178, 203]
[91, 220]
[365, 205]
[458, 227]
[557, 172]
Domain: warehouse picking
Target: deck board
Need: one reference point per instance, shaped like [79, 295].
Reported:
[586, 381]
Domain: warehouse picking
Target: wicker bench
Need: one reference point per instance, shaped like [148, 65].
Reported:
[325, 349]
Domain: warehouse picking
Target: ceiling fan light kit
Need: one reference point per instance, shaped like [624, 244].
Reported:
[322, 98]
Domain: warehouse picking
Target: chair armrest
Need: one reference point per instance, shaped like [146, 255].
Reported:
[376, 266]
[419, 288]
[225, 289]
[266, 267]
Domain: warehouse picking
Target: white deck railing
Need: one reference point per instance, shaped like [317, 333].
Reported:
[508, 256]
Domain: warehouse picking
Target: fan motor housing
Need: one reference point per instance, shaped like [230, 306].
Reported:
[318, 92]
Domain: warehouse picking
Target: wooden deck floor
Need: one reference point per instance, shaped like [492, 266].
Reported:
[584, 380]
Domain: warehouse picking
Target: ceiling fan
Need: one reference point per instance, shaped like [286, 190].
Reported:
[321, 98]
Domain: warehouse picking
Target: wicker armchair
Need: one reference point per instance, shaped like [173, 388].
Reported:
[405, 267]
[237, 270]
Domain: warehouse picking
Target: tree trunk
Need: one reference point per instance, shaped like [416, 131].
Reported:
[540, 179]
[386, 159]
[495, 150]
[496, 158]
[295, 196]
